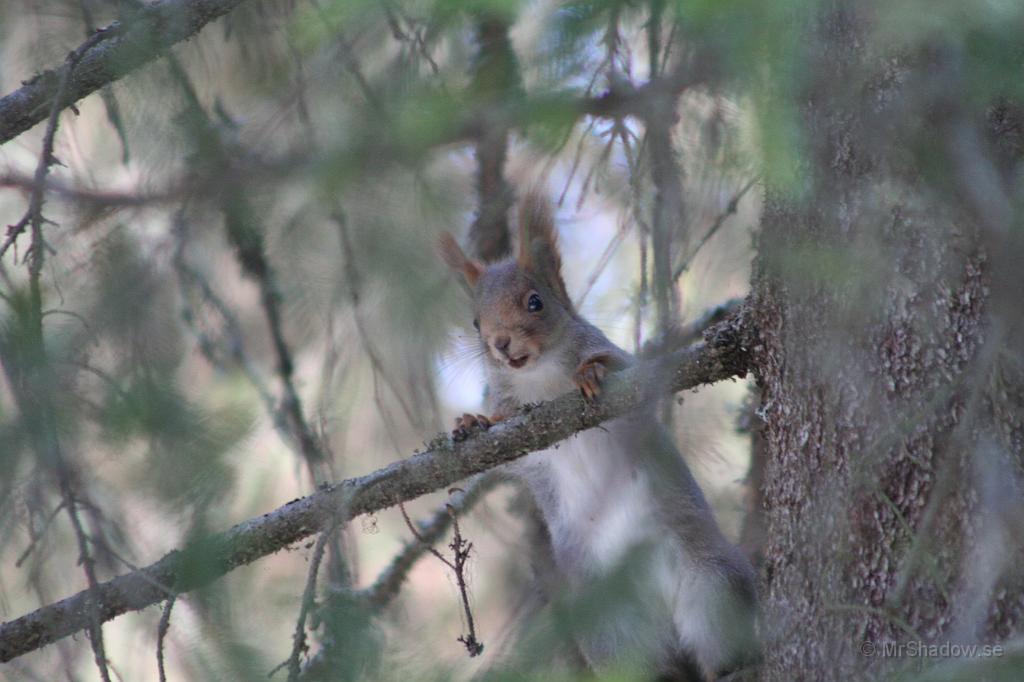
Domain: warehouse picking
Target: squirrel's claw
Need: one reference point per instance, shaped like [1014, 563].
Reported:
[588, 378]
[467, 423]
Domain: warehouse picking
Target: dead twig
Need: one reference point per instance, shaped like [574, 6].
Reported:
[390, 580]
[460, 555]
[161, 635]
[308, 601]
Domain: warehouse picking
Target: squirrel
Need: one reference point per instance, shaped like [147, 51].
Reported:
[618, 501]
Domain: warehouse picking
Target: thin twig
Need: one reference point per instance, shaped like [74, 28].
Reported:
[308, 600]
[389, 581]
[107, 91]
[577, 157]
[415, 40]
[89, 566]
[716, 224]
[34, 214]
[602, 262]
[460, 555]
[98, 199]
[161, 635]
[104, 546]
[232, 328]
[461, 548]
[426, 545]
[354, 287]
[36, 537]
[249, 247]
[47, 439]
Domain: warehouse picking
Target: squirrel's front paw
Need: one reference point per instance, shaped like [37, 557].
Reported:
[468, 423]
[588, 377]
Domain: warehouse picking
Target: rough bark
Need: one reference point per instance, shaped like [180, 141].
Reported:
[723, 355]
[875, 362]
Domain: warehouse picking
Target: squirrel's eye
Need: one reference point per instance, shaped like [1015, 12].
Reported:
[476, 324]
[534, 304]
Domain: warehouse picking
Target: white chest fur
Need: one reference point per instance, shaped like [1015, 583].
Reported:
[543, 379]
[599, 504]
[596, 496]
[595, 501]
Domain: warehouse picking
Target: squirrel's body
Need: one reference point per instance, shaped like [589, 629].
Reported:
[618, 502]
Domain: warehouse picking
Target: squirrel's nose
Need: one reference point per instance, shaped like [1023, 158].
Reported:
[502, 342]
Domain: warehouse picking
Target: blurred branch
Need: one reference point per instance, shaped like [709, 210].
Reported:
[108, 55]
[722, 356]
[495, 74]
[245, 236]
[308, 602]
[625, 99]
[161, 635]
[692, 332]
[107, 91]
[365, 337]
[413, 36]
[100, 199]
[85, 559]
[620, 100]
[667, 222]
[232, 330]
[730, 210]
[36, 537]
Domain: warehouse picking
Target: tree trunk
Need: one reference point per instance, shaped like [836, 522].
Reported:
[886, 493]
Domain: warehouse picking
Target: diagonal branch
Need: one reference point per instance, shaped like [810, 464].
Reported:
[716, 224]
[723, 355]
[147, 35]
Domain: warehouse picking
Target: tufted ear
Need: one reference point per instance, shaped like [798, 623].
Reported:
[457, 260]
[538, 243]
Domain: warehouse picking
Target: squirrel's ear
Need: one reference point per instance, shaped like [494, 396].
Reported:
[457, 259]
[538, 242]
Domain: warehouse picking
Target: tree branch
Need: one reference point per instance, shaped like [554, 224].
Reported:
[667, 218]
[148, 34]
[495, 75]
[721, 356]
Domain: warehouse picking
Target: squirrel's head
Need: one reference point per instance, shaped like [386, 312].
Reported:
[520, 304]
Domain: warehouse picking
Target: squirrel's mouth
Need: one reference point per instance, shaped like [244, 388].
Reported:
[516, 363]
